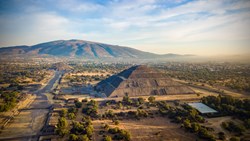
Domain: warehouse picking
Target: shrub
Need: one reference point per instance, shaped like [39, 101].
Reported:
[71, 116]
[116, 122]
[107, 138]
[63, 113]
[73, 137]
[78, 104]
[113, 130]
[222, 136]
[85, 138]
[234, 139]
[151, 99]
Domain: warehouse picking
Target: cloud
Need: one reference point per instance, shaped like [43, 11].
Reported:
[139, 23]
[35, 28]
[79, 6]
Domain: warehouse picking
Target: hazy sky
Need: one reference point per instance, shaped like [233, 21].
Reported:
[206, 27]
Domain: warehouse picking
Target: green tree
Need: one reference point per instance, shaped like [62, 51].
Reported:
[89, 131]
[116, 122]
[127, 100]
[107, 138]
[187, 123]
[71, 116]
[141, 100]
[78, 104]
[62, 123]
[78, 128]
[221, 135]
[151, 99]
[193, 113]
[195, 127]
[63, 112]
[203, 133]
[120, 105]
[72, 110]
[73, 137]
[62, 131]
[113, 130]
[247, 123]
[85, 138]
[61, 127]
[106, 126]
[234, 139]
[126, 135]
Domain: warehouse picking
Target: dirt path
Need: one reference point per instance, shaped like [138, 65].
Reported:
[215, 123]
[28, 123]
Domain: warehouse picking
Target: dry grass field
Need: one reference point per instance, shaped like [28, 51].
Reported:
[226, 91]
[68, 84]
[22, 104]
[215, 123]
[26, 123]
[148, 129]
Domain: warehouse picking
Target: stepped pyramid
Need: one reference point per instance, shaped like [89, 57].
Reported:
[138, 81]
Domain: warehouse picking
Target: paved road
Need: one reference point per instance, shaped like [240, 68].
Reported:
[41, 100]
[29, 122]
[50, 84]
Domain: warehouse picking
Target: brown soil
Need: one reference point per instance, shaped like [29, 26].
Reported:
[149, 129]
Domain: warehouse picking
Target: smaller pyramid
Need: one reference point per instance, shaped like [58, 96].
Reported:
[140, 80]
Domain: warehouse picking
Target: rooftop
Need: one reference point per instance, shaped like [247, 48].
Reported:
[202, 108]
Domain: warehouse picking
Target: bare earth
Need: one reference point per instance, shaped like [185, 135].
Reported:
[149, 129]
[22, 104]
[215, 123]
[226, 92]
[30, 120]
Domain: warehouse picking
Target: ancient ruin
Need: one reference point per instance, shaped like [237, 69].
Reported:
[138, 81]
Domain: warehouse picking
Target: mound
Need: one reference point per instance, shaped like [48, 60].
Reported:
[140, 80]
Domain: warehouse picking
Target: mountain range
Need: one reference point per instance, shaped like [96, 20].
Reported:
[81, 48]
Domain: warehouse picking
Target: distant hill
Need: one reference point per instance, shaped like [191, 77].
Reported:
[83, 49]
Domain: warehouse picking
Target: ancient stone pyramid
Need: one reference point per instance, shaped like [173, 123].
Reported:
[138, 81]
